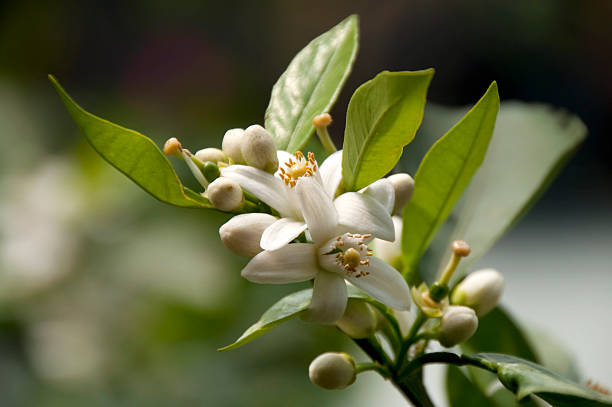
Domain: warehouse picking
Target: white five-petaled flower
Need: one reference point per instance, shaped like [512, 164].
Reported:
[365, 213]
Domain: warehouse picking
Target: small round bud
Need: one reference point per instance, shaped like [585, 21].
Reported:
[461, 248]
[480, 290]
[332, 370]
[225, 194]
[458, 324]
[211, 171]
[232, 145]
[173, 147]
[359, 320]
[322, 120]
[211, 154]
[258, 149]
[403, 184]
[242, 233]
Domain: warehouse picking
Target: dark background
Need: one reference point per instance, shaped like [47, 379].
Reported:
[126, 279]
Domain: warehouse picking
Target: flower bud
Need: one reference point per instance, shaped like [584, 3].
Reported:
[232, 145]
[242, 233]
[458, 324]
[332, 370]
[391, 252]
[359, 320]
[213, 155]
[225, 194]
[258, 149]
[480, 291]
[403, 184]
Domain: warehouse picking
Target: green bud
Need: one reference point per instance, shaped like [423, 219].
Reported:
[359, 320]
[332, 370]
[210, 171]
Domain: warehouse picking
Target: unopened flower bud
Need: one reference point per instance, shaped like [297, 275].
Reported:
[173, 147]
[359, 320]
[403, 184]
[232, 145]
[480, 291]
[225, 194]
[391, 252]
[211, 154]
[242, 233]
[258, 149]
[332, 370]
[458, 324]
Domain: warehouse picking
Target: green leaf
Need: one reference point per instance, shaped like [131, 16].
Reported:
[498, 333]
[311, 85]
[462, 392]
[134, 155]
[285, 309]
[443, 175]
[531, 143]
[526, 378]
[383, 117]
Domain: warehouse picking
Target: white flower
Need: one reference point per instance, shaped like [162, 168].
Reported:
[332, 258]
[355, 212]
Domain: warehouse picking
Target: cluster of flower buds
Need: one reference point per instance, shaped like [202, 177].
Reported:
[458, 311]
[253, 146]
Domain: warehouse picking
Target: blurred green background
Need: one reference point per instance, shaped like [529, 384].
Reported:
[108, 297]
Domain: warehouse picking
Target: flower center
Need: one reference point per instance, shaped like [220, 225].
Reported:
[292, 170]
[353, 254]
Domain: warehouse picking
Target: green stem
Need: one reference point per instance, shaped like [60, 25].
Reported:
[444, 357]
[364, 367]
[326, 140]
[408, 340]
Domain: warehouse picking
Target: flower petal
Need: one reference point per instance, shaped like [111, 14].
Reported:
[242, 233]
[384, 284]
[283, 157]
[280, 233]
[331, 173]
[317, 209]
[263, 185]
[289, 264]
[358, 213]
[329, 297]
[381, 190]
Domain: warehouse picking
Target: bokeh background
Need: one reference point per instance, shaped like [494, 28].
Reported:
[108, 297]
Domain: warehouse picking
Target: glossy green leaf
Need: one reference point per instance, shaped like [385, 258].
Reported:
[526, 378]
[383, 117]
[285, 309]
[311, 84]
[498, 333]
[443, 175]
[134, 155]
[531, 143]
[462, 392]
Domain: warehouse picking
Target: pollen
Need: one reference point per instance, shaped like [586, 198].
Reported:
[292, 170]
[353, 256]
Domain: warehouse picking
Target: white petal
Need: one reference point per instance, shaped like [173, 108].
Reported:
[384, 284]
[358, 213]
[329, 298]
[283, 157]
[331, 172]
[280, 233]
[317, 209]
[390, 252]
[263, 185]
[289, 264]
[383, 191]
